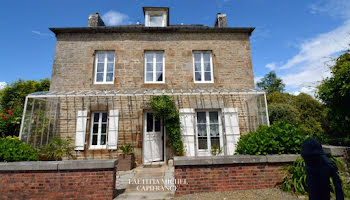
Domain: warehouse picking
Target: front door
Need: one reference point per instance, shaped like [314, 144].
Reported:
[153, 139]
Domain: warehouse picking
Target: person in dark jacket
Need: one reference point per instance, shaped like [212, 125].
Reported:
[319, 169]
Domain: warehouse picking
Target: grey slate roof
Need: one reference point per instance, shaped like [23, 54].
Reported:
[196, 28]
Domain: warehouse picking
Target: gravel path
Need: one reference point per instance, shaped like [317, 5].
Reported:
[261, 194]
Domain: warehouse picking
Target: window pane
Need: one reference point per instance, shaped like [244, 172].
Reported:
[159, 67]
[213, 117]
[94, 140]
[103, 139]
[95, 128]
[197, 67]
[215, 142]
[110, 57]
[109, 77]
[149, 67]
[149, 122]
[207, 67]
[159, 57]
[100, 57]
[99, 77]
[214, 130]
[159, 76]
[149, 76]
[157, 125]
[156, 20]
[100, 67]
[110, 67]
[206, 57]
[207, 76]
[201, 117]
[96, 117]
[202, 130]
[197, 76]
[104, 117]
[197, 57]
[149, 57]
[202, 143]
[104, 128]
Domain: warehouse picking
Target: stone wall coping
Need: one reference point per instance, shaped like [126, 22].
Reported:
[336, 150]
[236, 159]
[58, 165]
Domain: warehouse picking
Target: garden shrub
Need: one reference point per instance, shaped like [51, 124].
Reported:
[283, 112]
[295, 179]
[56, 149]
[12, 149]
[279, 138]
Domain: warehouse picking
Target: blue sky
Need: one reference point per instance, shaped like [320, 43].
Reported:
[296, 38]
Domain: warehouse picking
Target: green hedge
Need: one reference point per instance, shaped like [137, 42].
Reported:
[12, 149]
[279, 138]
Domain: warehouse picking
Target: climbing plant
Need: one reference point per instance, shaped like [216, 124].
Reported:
[163, 107]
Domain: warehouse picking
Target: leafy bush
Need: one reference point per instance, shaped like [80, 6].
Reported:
[127, 149]
[279, 138]
[56, 149]
[283, 112]
[295, 179]
[12, 149]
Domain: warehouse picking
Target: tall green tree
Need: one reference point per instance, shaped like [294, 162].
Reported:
[334, 92]
[12, 99]
[270, 83]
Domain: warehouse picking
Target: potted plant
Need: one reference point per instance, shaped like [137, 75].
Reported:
[126, 160]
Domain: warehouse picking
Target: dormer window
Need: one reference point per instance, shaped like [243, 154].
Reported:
[156, 16]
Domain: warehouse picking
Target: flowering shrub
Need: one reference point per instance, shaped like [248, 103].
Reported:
[8, 121]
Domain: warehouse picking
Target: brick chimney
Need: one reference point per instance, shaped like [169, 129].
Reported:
[221, 20]
[95, 20]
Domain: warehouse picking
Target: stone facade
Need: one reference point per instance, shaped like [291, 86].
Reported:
[74, 60]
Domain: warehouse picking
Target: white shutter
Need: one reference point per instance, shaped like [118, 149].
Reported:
[231, 129]
[187, 130]
[80, 130]
[112, 139]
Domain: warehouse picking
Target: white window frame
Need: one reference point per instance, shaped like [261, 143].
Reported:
[98, 146]
[154, 67]
[158, 13]
[207, 152]
[105, 67]
[202, 67]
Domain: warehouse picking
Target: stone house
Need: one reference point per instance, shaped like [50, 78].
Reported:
[103, 77]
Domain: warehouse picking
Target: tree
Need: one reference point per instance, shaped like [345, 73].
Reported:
[304, 110]
[270, 83]
[12, 99]
[334, 92]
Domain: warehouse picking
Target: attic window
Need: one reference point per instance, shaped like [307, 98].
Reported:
[156, 18]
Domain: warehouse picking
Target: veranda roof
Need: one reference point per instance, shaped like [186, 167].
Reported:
[138, 92]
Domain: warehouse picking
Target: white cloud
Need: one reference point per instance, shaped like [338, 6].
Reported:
[115, 18]
[271, 66]
[2, 85]
[334, 8]
[42, 34]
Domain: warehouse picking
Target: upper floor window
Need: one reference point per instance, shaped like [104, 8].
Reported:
[104, 67]
[98, 138]
[154, 67]
[156, 18]
[203, 67]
